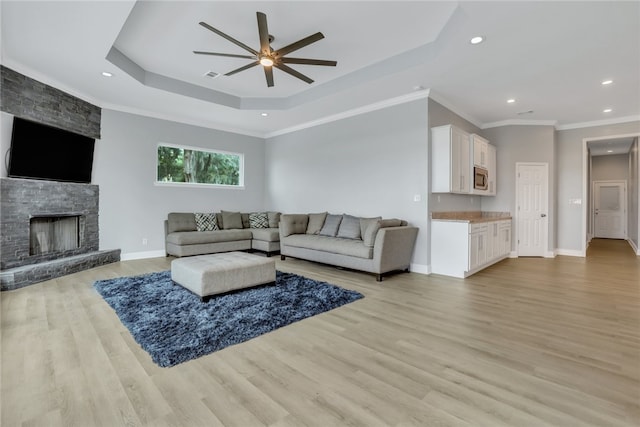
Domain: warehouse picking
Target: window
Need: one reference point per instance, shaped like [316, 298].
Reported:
[188, 165]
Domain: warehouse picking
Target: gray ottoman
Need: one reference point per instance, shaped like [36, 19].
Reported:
[207, 275]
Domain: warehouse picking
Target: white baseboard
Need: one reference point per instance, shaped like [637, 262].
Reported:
[550, 254]
[635, 248]
[420, 268]
[142, 255]
[513, 254]
[569, 252]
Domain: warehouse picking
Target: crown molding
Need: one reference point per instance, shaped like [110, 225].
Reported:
[422, 94]
[445, 103]
[515, 122]
[605, 122]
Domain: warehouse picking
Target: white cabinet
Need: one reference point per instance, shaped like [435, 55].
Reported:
[504, 233]
[460, 248]
[478, 239]
[480, 151]
[450, 160]
[491, 170]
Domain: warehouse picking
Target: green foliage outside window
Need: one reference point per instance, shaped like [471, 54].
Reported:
[178, 164]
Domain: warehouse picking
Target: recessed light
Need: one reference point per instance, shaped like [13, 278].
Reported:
[107, 74]
[476, 39]
[511, 101]
[607, 82]
[264, 114]
[607, 110]
[609, 151]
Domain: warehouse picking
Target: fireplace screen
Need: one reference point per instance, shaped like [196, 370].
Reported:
[54, 234]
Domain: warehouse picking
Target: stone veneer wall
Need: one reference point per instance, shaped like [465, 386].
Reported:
[24, 198]
[30, 99]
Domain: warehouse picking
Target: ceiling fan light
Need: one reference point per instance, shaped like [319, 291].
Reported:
[266, 61]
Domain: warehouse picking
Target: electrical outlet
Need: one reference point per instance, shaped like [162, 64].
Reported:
[417, 198]
[144, 241]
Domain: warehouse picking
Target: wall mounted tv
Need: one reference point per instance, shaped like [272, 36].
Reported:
[39, 151]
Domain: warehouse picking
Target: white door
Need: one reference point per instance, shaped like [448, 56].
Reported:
[532, 221]
[610, 213]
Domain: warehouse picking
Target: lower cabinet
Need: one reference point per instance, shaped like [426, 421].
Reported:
[460, 249]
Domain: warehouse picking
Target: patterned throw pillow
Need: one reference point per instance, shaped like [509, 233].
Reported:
[259, 220]
[206, 222]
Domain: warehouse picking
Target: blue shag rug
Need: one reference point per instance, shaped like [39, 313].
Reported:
[174, 326]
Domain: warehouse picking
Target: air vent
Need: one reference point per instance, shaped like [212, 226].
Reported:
[525, 112]
[212, 74]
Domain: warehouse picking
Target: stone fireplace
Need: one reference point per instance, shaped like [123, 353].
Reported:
[48, 229]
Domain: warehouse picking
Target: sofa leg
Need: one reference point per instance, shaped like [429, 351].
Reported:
[282, 257]
[378, 277]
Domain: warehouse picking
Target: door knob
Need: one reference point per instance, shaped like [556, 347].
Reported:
[543, 215]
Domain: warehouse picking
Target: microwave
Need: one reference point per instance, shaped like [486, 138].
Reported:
[480, 178]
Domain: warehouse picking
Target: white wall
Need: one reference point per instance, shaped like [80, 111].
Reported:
[612, 167]
[570, 145]
[132, 207]
[521, 144]
[368, 165]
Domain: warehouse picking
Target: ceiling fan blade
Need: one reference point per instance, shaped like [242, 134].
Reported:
[293, 72]
[246, 67]
[299, 44]
[230, 55]
[268, 73]
[263, 32]
[306, 61]
[231, 39]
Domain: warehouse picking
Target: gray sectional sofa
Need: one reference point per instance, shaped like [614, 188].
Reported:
[188, 233]
[373, 245]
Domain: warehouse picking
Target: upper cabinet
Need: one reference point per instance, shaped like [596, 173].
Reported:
[450, 160]
[462, 163]
[480, 151]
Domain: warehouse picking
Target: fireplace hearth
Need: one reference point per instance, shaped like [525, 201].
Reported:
[48, 229]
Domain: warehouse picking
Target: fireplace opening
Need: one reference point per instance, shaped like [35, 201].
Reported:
[54, 234]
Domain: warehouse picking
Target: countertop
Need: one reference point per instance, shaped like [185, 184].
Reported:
[470, 217]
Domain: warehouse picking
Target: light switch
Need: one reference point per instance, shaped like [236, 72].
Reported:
[417, 198]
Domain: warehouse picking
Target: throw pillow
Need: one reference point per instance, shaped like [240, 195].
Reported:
[349, 227]
[369, 236]
[206, 222]
[316, 221]
[331, 224]
[259, 220]
[365, 222]
[231, 220]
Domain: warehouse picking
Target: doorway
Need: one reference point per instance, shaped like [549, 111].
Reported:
[532, 197]
[610, 209]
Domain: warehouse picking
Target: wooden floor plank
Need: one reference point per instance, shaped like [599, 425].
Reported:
[526, 342]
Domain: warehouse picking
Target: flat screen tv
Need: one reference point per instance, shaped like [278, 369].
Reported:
[40, 151]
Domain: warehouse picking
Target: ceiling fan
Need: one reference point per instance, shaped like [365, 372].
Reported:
[266, 56]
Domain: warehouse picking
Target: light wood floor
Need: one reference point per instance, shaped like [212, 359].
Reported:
[527, 342]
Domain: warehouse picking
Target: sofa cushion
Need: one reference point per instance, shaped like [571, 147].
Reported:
[349, 227]
[258, 220]
[266, 234]
[364, 224]
[231, 220]
[203, 237]
[181, 221]
[316, 221]
[337, 245]
[206, 221]
[274, 219]
[369, 236]
[331, 225]
[293, 224]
